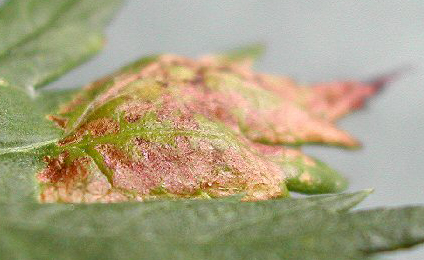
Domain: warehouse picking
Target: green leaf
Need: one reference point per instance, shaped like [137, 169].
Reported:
[41, 40]
[17, 176]
[311, 228]
[314, 177]
[23, 123]
[250, 52]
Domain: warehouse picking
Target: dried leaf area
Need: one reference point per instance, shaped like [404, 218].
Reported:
[173, 127]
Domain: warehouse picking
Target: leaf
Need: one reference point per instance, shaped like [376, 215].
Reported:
[23, 123]
[314, 178]
[150, 118]
[85, 101]
[308, 175]
[41, 40]
[334, 100]
[311, 228]
[248, 53]
[269, 109]
[17, 176]
[25, 137]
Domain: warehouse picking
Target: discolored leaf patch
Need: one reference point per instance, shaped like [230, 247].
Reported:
[170, 126]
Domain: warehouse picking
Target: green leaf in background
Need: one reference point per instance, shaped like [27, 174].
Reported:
[310, 228]
[42, 39]
[251, 52]
[23, 123]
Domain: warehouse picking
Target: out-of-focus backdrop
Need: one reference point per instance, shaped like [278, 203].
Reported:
[312, 41]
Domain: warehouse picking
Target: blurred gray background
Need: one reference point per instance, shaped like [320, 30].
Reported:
[311, 41]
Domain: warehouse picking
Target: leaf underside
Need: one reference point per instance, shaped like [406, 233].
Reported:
[310, 228]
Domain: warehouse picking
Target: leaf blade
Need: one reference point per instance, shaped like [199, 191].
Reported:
[23, 125]
[30, 58]
[251, 52]
[17, 180]
[206, 229]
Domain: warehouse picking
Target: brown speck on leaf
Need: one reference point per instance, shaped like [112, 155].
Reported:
[59, 170]
[75, 181]
[134, 110]
[96, 128]
[59, 121]
[102, 126]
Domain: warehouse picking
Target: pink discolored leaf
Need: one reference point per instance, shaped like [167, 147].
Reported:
[333, 100]
[170, 126]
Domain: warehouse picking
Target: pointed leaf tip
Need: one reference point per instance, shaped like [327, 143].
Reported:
[379, 82]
